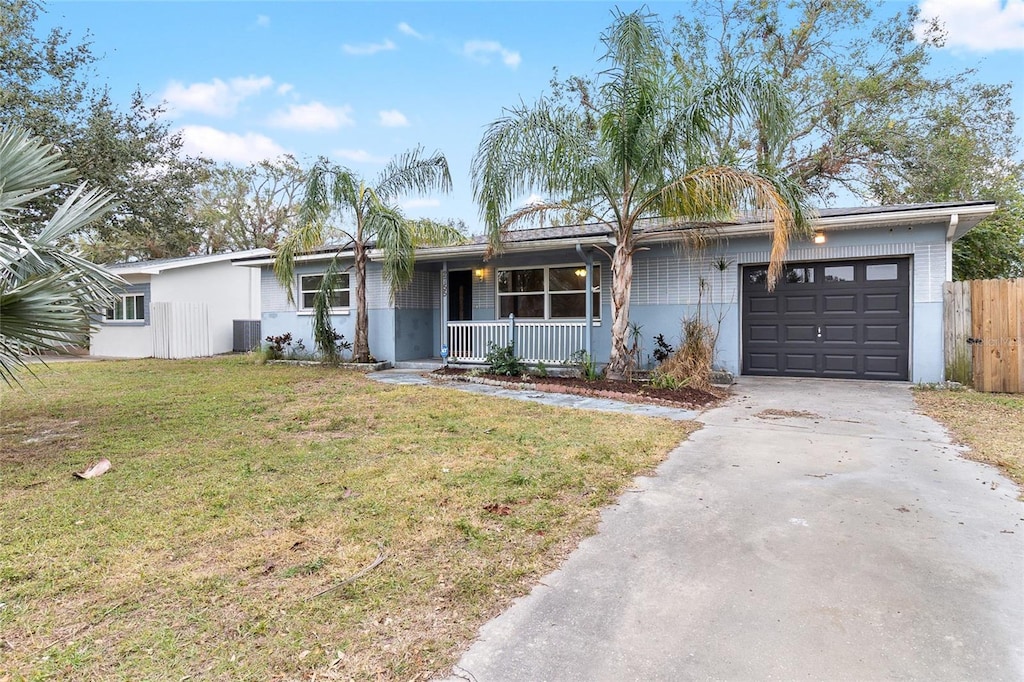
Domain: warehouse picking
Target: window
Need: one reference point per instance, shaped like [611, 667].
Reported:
[548, 293]
[839, 273]
[874, 273]
[310, 284]
[128, 308]
[798, 275]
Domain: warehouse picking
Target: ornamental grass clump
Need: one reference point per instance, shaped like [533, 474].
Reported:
[691, 364]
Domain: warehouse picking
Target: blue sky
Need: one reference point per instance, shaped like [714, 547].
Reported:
[361, 81]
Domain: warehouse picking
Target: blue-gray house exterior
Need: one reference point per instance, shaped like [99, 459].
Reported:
[673, 280]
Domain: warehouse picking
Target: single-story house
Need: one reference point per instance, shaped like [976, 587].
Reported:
[179, 307]
[860, 299]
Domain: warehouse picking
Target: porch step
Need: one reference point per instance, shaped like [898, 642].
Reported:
[426, 364]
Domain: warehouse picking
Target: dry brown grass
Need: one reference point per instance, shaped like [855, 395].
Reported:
[239, 492]
[990, 424]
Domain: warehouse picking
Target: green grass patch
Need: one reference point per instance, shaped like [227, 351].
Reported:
[239, 492]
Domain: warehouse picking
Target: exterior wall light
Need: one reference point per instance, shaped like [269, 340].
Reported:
[479, 272]
[819, 236]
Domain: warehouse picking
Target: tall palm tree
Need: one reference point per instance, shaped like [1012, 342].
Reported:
[340, 209]
[49, 297]
[634, 150]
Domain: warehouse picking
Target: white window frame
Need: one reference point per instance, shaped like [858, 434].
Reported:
[110, 314]
[547, 292]
[303, 292]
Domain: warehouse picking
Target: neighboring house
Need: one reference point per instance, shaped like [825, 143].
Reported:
[863, 300]
[178, 307]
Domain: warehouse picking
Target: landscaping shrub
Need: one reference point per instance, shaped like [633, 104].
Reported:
[502, 360]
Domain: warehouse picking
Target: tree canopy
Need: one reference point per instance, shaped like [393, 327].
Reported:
[47, 87]
[344, 211]
[634, 146]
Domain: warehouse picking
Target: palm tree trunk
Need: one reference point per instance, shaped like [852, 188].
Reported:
[361, 344]
[622, 284]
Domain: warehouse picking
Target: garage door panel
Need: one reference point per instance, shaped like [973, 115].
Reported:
[840, 364]
[762, 362]
[839, 333]
[840, 303]
[884, 366]
[801, 333]
[802, 363]
[882, 334]
[882, 303]
[800, 304]
[764, 332]
[764, 304]
[837, 319]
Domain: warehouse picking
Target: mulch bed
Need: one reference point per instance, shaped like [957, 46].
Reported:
[634, 392]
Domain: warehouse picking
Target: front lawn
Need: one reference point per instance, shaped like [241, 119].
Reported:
[990, 424]
[240, 493]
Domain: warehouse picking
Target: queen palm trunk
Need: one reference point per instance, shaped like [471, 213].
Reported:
[622, 284]
[361, 344]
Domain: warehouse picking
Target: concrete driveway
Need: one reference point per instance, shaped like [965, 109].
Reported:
[813, 529]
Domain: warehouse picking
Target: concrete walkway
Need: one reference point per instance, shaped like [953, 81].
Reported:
[812, 530]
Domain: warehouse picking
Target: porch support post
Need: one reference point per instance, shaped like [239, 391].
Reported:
[444, 305]
[588, 302]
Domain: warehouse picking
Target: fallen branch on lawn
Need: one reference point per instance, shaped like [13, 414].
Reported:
[355, 576]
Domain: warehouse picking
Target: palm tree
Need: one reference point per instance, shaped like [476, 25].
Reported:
[336, 196]
[634, 151]
[49, 298]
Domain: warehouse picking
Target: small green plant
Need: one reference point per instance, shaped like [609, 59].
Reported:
[502, 360]
[278, 345]
[663, 350]
[585, 365]
[661, 379]
[541, 370]
[308, 568]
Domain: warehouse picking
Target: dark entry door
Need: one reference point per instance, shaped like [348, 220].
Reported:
[460, 295]
[841, 319]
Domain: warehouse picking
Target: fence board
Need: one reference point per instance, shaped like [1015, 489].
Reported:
[180, 330]
[998, 329]
[956, 325]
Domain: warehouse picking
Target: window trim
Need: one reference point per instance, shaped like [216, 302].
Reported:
[547, 292]
[341, 310]
[109, 313]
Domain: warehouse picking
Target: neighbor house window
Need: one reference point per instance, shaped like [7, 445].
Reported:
[557, 292]
[310, 284]
[128, 308]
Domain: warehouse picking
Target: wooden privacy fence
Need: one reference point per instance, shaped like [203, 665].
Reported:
[983, 322]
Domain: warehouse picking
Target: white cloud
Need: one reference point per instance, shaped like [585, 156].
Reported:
[285, 88]
[312, 116]
[262, 20]
[223, 146]
[979, 25]
[216, 98]
[393, 118]
[409, 30]
[421, 203]
[369, 48]
[359, 156]
[482, 50]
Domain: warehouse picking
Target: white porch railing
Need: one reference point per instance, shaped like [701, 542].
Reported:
[548, 342]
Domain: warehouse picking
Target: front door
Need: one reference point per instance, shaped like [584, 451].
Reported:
[460, 295]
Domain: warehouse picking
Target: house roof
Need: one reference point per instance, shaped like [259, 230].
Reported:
[158, 265]
[959, 216]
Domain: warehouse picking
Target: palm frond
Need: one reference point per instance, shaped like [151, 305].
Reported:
[412, 173]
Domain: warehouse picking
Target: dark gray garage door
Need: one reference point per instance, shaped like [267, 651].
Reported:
[848, 319]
